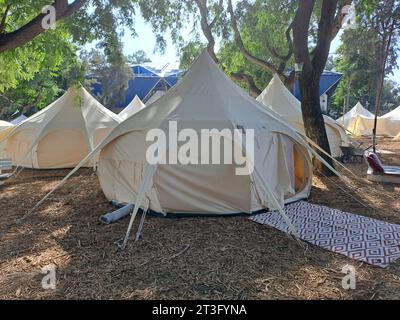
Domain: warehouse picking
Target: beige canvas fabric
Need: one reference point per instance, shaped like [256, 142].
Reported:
[359, 121]
[5, 128]
[390, 123]
[205, 99]
[278, 98]
[358, 110]
[62, 134]
[362, 123]
[134, 107]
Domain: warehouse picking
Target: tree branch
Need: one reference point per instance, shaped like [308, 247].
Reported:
[239, 42]
[325, 28]
[207, 30]
[33, 28]
[300, 32]
[217, 15]
[285, 58]
[341, 15]
[240, 76]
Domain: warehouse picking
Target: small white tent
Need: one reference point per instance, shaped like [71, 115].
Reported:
[62, 134]
[279, 99]
[134, 107]
[205, 100]
[349, 118]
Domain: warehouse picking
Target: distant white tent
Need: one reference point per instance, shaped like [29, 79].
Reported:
[5, 128]
[62, 134]
[349, 118]
[18, 120]
[390, 123]
[387, 125]
[279, 99]
[134, 107]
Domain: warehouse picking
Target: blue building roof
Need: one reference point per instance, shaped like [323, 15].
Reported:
[329, 82]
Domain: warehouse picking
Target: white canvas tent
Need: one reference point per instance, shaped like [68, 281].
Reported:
[348, 120]
[5, 128]
[279, 99]
[62, 134]
[134, 107]
[390, 123]
[387, 125]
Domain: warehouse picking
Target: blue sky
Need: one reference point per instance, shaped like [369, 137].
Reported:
[146, 41]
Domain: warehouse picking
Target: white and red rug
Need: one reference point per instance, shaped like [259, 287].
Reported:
[360, 238]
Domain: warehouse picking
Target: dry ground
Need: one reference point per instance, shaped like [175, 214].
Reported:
[224, 258]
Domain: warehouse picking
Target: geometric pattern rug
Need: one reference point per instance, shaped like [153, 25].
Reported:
[364, 239]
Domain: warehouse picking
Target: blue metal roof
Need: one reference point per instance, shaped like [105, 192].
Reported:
[329, 82]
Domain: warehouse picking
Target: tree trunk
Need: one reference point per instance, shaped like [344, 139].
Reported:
[312, 70]
[381, 79]
[313, 119]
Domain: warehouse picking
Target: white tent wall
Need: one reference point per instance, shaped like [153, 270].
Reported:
[62, 134]
[201, 189]
[390, 123]
[5, 129]
[279, 99]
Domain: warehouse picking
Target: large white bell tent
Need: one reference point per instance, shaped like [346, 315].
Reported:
[5, 128]
[62, 134]
[206, 99]
[134, 107]
[279, 99]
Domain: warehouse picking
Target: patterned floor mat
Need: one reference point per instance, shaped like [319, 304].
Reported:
[360, 238]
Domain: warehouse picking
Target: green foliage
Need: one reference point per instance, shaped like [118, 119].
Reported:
[175, 15]
[358, 58]
[263, 25]
[189, 54]
[33, 75]
[113, 76]
[138, 57]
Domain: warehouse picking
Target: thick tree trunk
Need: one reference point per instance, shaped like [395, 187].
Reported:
[314, 123]
[312, 70]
